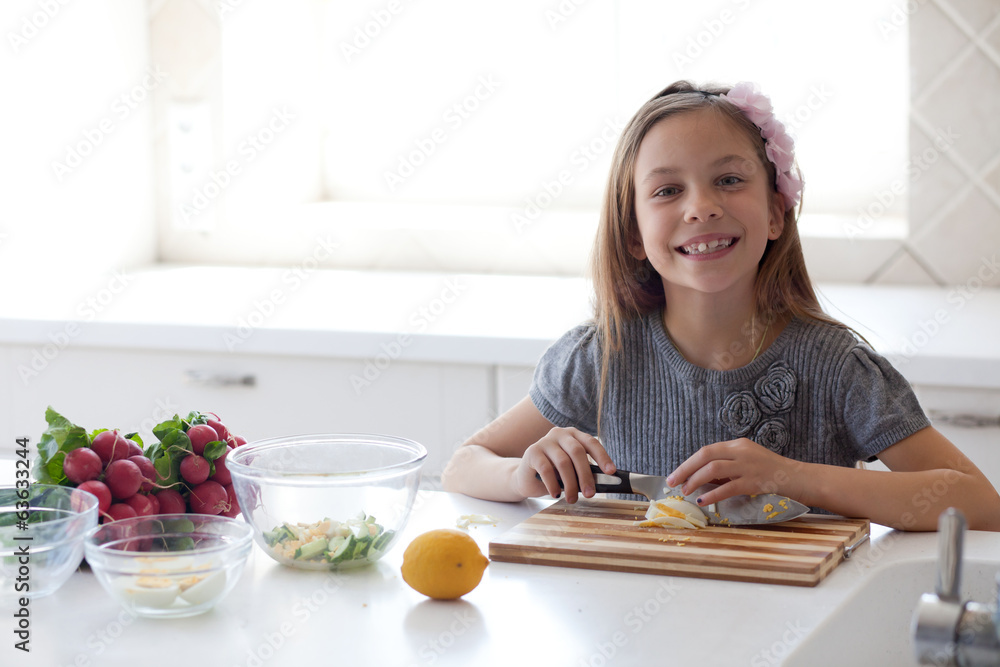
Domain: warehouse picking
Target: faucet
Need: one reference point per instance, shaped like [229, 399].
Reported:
[947, 631]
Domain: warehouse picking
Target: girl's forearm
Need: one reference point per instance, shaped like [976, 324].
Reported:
[902, 500]
[479, 472]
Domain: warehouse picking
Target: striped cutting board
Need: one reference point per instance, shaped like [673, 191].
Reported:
[599, 534]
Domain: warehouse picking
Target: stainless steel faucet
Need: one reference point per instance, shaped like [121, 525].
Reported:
[947, 631]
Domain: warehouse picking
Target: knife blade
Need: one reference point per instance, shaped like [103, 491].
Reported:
[758, 509]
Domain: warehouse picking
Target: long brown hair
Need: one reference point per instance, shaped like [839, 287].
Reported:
[627, 288]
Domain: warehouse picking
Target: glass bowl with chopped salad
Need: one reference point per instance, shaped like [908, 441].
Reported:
[42, 529]
[327, 501]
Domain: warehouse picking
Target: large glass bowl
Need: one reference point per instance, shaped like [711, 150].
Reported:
[327, 501]
[41, 540]
[169, 565]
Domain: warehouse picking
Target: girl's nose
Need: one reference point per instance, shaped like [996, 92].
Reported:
[702, 206]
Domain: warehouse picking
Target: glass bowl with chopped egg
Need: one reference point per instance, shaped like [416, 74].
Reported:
[327, 501]
[169, 565]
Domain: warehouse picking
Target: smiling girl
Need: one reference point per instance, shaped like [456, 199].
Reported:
[709, 357]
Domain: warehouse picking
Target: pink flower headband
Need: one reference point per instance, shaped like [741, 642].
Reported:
[778, 145]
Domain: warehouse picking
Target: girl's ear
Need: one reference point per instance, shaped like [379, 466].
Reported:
[776, 219]
[635, 242]
[635, 247]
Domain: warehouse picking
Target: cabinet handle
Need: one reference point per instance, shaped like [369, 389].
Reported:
[209, 379]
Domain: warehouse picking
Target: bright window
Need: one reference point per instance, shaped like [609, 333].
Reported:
[456, 135]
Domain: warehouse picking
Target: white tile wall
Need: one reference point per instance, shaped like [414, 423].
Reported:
[955, 204]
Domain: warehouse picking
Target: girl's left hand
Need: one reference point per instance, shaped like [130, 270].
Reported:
[739, 466]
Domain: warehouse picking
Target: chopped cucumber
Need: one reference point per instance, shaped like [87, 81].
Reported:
[382, 541]
[362, 547]
[344, 552]
[311, 549]
[335, 548]
[279, 534]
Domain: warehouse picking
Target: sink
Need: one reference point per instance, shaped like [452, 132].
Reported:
[872, 627]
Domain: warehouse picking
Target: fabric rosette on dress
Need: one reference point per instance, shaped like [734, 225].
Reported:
[739, 413]
[756, 414]
[776, 390]
[772, 434]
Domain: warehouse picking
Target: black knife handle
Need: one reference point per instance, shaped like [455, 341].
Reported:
[621, 486]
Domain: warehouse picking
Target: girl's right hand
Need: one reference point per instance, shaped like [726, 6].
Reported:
[561, 454]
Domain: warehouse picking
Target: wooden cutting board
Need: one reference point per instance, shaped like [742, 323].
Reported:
[599, 534]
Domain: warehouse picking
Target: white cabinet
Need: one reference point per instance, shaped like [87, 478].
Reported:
[970, 418]
[512, 384]
[438, 405]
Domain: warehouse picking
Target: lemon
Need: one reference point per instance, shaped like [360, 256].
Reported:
[443, 564]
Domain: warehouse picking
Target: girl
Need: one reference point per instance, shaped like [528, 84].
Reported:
[709, 357]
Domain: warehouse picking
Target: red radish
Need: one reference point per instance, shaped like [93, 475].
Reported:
[240, 441]
[220, 429]
[141, 504]
[155, 502]
[133, 448]
[101, 490]
[234, 504]
[209, 498]
[222, 475]
[200, 435]
[82, 465]
[120, 511]
[110, 446]
[194, 469]
[171, 502]
[149, 473]
[123, 478]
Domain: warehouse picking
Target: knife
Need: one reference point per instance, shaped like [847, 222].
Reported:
[761, 508]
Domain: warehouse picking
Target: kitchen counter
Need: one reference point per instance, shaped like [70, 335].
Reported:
[935, 336]
[519, 614]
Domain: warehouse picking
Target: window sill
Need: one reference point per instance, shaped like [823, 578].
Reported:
[934, 336]
[478, 239]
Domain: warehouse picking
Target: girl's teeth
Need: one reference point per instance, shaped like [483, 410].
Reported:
[700, 248]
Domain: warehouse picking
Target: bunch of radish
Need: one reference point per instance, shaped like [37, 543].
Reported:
[184, 471]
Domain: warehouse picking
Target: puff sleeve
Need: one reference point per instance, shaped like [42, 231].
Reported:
[565, 384]
[876, 404]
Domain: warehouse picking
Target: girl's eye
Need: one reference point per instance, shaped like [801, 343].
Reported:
[668, 191]
[730, 180]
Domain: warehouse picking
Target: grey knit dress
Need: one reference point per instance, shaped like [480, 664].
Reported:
[817, 394]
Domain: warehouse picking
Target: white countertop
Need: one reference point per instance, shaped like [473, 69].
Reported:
[519, 614]
[935, 336]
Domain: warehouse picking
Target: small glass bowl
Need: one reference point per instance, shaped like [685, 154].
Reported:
[42, 528]
[327, 501]
[169, 565]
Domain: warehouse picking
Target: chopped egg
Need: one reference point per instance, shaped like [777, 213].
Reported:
[674, 512]
[204, 589]
[768, 508]
[157, 592]
[466, 520]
